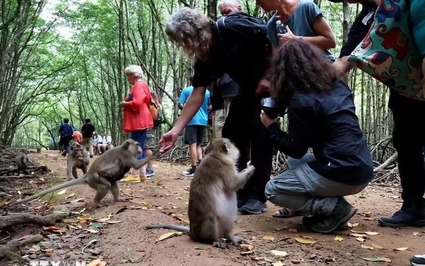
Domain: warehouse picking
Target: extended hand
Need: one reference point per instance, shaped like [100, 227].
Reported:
[283, 38]
[168, 140]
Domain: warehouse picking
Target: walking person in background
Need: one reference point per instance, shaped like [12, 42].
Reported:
[195, 129]
[87, 130]
[65, 131]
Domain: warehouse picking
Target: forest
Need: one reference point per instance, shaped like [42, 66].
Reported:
[66, 59]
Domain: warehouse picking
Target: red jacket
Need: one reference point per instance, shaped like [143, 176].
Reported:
[137, 116]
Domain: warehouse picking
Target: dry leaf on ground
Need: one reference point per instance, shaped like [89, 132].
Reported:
[280, 253]
[305, 241]
[338, 238]
[169, 235]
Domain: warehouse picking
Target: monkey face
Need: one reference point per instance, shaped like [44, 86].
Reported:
[223, 145]
[133, 147]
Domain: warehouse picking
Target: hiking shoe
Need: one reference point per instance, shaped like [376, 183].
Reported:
[149, 172]
[417, 260]
[404, 217]
[189, 172]
[310, 220]
[342, 212]
[253, 207]
[241, 202]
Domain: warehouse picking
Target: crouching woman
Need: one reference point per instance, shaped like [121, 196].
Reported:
[321, 117]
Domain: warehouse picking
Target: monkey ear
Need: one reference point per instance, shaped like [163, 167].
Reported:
[126, 144]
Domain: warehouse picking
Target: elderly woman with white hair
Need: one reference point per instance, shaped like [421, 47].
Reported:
[136, 114]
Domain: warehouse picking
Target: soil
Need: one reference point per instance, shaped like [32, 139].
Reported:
[120, 238]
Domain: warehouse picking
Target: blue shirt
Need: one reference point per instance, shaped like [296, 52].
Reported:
[301, 23]
[201, 117]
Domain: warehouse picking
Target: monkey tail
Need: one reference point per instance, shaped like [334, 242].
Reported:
[181, 228]
[80, 180]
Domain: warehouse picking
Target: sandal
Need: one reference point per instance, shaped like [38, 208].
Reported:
[286, 213]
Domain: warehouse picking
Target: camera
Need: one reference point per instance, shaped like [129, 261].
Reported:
[270, 107]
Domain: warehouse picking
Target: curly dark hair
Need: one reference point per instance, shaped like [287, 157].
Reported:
[190, 29]
[299, 66]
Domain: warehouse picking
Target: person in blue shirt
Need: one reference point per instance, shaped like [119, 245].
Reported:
[65, 131]
[321, 116]
[195, 129]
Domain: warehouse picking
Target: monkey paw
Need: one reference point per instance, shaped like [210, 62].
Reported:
[236, 240]
[121, 200]
[99, 205]
[219, 244]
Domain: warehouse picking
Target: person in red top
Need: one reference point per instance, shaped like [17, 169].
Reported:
[77, 136]
[136, 114]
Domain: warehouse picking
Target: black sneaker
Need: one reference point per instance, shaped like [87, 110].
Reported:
[341, 214]
[253, 207]
[189, 172]
[417, 260]
[404, 217]
[310, 220]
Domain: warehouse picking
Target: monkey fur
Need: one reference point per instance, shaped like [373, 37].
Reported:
[104, 173]
[212, 197]
[78, 158]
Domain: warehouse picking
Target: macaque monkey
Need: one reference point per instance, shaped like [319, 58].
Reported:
[77, 158]
[212, 196]
[104, 173]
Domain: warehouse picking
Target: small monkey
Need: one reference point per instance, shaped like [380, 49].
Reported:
[78, 158]
[104, 173]
[212, 197]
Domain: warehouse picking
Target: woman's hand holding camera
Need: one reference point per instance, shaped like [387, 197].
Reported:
[267, 121]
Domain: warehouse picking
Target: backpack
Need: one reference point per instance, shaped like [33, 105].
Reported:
[156, 116]
[67, 130]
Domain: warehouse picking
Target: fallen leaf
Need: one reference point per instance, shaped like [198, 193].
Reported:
[279, 253]
[401, 249]
[169, 235]
[244, 253]
[268, 238]
[350, 225]
[358, 235]
[279, 263]
[199, 248]
[377, 246]
[246, 246]
[360, 239]
[367, 247]
[305, 241]
[113, 222]
[89, 244]
[97, 262]
[103, 220]
[70, 195]
[415, 234]
[371, 233]
[62, 191]
[93, 231]
[377, 259]
[4, 203]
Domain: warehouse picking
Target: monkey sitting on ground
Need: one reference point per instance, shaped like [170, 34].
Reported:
[77, 158]
[212, 197]
[104, 173]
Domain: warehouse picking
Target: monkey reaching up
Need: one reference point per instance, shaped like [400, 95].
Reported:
[105, 172]
[78, 158]
[212, 197]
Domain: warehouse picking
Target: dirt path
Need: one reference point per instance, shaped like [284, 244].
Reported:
[127, 243]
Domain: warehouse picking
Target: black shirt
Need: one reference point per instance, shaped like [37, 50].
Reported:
[241, 51]
[327, 123]
[87, 130]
